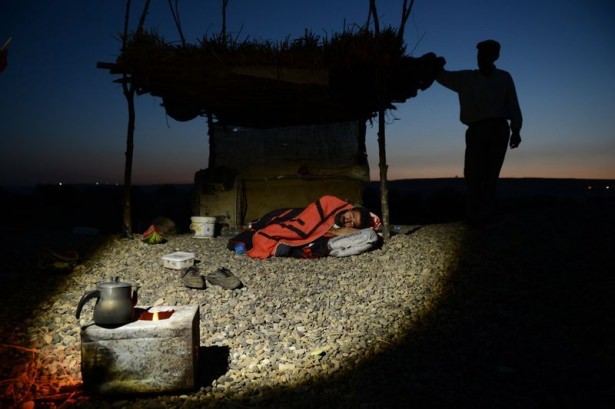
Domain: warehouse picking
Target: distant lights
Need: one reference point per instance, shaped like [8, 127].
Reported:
[106, 183]
[97, 183]
[606, 187]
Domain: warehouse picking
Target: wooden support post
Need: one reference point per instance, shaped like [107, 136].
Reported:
[127, 211]
[384, 189]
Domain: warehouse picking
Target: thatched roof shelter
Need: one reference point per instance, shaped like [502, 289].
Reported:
[306, 81]
[351, 77]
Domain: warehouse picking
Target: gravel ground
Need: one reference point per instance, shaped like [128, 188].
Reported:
[516, 316]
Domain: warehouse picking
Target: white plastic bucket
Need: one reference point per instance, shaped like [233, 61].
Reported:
[203, 227]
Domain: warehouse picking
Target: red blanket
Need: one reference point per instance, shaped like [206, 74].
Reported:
[313, 222]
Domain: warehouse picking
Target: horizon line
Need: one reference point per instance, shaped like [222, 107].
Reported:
[106, 184]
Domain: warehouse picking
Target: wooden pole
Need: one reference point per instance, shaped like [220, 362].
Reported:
[405, 13]
[382, 88]
[176, 18]
[127, 211]
[129, 93]
[223, 33]
[382, 152]
[384, 186]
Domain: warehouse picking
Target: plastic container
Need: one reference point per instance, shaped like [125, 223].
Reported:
[203, 226]
[178, 260]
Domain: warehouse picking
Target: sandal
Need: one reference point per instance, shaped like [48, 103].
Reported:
[192, 279]
[224, 278]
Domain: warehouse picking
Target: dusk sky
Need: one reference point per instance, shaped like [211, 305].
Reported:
[64, 120]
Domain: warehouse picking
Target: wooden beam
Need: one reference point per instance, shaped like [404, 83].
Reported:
[285, 74]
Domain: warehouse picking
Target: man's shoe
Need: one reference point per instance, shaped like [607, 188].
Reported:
[192, 279]
[224, 278]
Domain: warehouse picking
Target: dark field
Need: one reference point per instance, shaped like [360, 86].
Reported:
[411, 201]
[527, 321]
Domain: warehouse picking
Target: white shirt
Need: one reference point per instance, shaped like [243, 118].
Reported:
[484, 96]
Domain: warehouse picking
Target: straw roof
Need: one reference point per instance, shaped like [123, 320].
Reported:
[263, 84]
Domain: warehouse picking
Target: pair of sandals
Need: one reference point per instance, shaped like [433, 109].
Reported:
[222, 277]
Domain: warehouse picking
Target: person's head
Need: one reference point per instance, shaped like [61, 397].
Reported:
[488, 53]
[357, 217]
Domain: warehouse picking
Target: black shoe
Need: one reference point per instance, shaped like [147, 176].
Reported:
[192, 279]
[224, 278]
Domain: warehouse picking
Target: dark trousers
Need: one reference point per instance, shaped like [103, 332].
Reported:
[486, 144]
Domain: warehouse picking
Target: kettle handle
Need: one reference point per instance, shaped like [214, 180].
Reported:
[85, 298]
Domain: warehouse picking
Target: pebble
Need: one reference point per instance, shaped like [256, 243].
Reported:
[292, 320]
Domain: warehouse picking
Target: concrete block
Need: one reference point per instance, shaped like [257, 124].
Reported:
[143, 356]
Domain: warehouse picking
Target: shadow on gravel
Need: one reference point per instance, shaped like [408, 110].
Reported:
[213, 363]
[527, 324]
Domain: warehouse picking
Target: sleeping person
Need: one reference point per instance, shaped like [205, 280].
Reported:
[329, 226]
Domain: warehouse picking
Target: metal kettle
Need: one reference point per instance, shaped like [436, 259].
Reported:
[115, 301]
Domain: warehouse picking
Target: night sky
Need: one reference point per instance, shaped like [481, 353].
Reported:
[63, 120]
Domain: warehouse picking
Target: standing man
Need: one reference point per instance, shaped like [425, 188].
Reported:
[488, 100]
